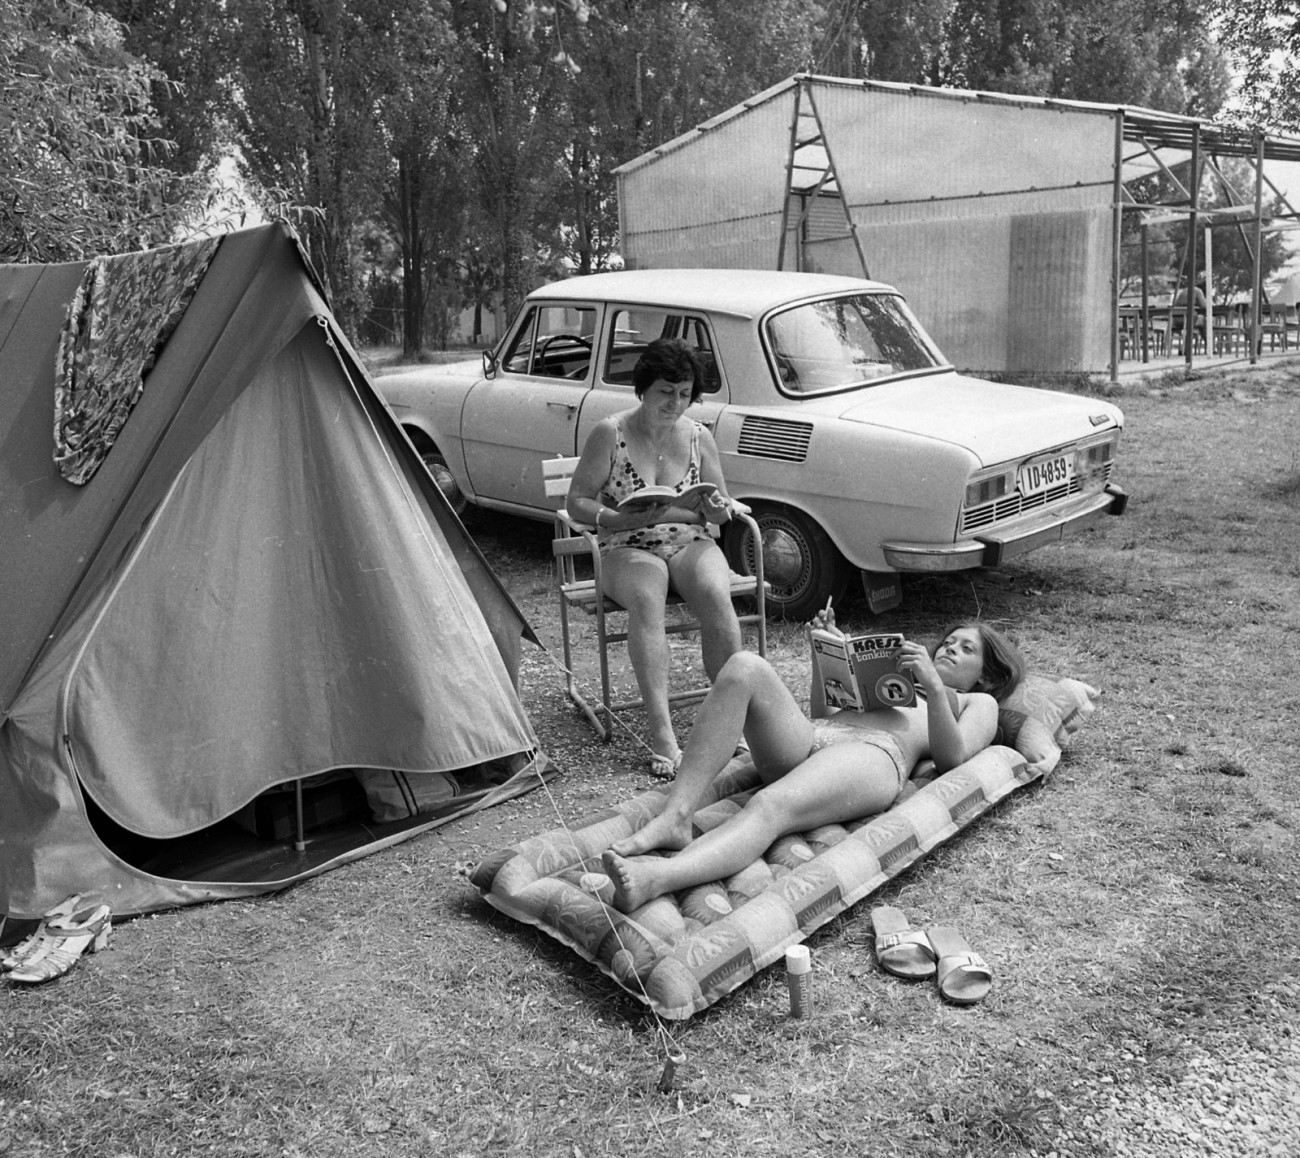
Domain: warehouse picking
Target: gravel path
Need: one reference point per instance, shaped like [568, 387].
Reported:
[1237, 1097]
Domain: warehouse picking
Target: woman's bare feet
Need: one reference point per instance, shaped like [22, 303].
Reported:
[634, 880]
[661, 832]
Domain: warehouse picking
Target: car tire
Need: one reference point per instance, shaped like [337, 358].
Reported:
[437, 466]
[802, 566]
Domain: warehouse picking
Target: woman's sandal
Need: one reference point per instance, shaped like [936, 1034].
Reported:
[65, 940]
[963, 976]
[37, 942]
[663, 767]
[901, 950]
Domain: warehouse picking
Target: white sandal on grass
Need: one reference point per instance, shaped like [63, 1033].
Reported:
[37, 942]
[64, 940]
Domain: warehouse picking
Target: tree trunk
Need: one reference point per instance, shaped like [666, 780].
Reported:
[412, 241]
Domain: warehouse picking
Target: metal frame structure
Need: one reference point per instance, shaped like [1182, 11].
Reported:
[1148, 143]
[1044, 194]
[810, 152]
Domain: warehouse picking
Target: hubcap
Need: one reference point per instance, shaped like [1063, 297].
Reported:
[446, 483]
[784, 562]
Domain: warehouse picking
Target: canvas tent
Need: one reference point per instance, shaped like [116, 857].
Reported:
[259, 583]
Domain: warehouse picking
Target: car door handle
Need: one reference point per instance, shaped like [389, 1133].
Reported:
[568, 406]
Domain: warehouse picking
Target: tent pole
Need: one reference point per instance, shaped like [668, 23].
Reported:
[300, 839]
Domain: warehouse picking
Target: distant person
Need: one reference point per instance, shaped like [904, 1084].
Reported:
[645, 551]
[1180, 298]
[1180, 310]
[837, 766]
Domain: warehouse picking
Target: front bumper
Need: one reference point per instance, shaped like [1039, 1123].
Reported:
[996, 546]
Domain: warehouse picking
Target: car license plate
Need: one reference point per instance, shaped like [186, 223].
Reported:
[1036, 477]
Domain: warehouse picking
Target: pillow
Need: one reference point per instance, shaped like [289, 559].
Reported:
[394, 795]
[1039, 718]
[400, 796]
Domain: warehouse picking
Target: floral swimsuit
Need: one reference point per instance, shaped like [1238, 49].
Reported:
[661, 539]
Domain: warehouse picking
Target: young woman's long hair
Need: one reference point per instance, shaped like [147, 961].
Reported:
[1004, 666]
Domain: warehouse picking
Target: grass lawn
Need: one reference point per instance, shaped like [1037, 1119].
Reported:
[1141, 909]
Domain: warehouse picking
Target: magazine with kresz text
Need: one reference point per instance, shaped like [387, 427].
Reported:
[860, 672]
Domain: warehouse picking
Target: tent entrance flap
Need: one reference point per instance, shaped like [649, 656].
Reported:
[258, 846]
[291, 550]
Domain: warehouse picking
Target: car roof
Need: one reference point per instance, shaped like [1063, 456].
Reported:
[744, 292]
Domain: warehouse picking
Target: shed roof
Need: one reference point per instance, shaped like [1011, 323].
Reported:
[1151, 129]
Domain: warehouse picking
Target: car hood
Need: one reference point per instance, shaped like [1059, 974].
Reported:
[994, 421]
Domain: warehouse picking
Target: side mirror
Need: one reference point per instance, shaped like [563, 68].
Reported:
[489, 364]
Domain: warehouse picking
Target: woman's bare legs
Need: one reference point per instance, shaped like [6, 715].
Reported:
[838, 783]
[638, 581]
[701, 575]
[747, 699]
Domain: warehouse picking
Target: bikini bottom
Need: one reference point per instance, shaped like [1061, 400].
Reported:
[826, 736]
[663, 540]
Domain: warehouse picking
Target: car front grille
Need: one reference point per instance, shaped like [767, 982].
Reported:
[988, 514]
[774, 438]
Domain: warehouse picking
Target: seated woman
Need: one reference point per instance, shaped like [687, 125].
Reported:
[838, 766]
[646, 550]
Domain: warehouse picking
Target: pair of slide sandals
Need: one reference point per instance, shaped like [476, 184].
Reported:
[962, 976]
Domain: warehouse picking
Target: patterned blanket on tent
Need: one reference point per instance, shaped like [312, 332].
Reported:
[679, 954]
[120, 318]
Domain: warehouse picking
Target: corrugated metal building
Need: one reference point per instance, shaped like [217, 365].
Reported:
[999, 217]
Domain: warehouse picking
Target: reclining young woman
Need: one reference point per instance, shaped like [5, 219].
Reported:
[835, 767]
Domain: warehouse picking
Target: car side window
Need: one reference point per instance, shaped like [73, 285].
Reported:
[846, 341]
[553, 341]
[635, 328]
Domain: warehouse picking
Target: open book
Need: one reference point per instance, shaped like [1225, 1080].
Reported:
[858, 671]
[652, 496]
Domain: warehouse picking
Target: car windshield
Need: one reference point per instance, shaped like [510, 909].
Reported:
[847, 341]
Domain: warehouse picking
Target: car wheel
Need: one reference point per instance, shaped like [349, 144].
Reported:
[802, 566]
[441, 472]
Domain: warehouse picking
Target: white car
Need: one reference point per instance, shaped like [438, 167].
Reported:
[837, 419]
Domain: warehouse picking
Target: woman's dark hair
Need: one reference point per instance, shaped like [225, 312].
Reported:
[672, 360]
[1004, 666]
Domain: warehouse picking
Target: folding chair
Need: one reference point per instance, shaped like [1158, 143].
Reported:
[1272, 324]
[1229, 330]
[573, 541]
[1291, 317]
